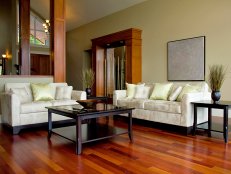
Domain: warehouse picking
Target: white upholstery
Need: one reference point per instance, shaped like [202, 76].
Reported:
[15, 113]
[164, 106]
[63, 102]
[164, 111]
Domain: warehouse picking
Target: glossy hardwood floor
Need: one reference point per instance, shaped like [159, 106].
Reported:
[153, 151]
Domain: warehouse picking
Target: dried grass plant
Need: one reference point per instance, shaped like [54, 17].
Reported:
[216, 76]
[88, 78]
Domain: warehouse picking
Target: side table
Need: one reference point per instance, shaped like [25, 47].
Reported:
[103, 99]
[224, 105]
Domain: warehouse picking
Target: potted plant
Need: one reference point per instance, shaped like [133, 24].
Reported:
[88, 80]
[216, 78]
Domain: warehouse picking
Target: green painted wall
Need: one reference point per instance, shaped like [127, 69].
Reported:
[161, 21]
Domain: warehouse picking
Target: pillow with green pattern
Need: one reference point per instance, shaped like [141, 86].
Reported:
[161, 91]
[188, 89]
[42, 91]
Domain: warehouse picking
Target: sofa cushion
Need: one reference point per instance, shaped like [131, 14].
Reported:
[175, 93]
[188, 89]
[161, 91]
[9, 86]
[130, 90]
[38, 106]
[22, 94]
[63, 92]
[42, 91]
[142, 92]
[54, 86]
[133, 103]
[63, 102]
[163, 106]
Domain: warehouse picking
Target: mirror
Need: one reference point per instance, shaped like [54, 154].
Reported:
[39, 37]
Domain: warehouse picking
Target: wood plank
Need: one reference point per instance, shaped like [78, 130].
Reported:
[153, 151]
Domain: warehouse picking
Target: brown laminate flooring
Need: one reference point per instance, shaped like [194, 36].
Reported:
[153, 151]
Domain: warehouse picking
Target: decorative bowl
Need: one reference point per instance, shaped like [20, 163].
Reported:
[87, 103]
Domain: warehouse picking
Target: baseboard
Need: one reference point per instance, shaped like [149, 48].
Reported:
[16, 129]
[163, 126]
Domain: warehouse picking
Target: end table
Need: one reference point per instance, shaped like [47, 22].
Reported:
[225, 105]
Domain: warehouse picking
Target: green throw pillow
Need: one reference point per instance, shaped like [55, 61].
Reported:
[161, 91]
[187, 89]
[42, 91]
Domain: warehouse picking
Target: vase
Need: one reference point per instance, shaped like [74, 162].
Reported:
[88, 91]
[216, 95]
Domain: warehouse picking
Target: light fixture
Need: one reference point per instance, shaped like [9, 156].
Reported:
[4, 58]
[46, 26]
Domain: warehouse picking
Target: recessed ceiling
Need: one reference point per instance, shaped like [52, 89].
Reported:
[80, 12]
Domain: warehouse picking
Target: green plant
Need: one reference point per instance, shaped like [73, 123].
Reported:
[216, 77]
[88, 78]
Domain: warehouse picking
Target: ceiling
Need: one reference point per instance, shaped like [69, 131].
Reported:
[80, 12]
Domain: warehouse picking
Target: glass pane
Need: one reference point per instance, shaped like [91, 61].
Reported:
[32, 36]
[32, 22]
[41, 38]
[39, 25]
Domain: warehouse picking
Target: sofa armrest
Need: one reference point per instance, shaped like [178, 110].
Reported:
[78, 95]
[10, 105]
[118, 94]
[187, 108]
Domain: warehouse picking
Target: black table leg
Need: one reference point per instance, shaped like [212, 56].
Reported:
[195, 120]
[209, 121]
[78, 147]
[130, 134]
[225, 125]
[49, 124]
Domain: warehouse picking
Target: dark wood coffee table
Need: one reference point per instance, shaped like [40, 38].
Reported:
[83, 133]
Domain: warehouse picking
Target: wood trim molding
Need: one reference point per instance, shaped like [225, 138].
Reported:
[24, 35]
[133, 43]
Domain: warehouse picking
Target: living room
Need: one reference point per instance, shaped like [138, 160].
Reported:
[161, 21]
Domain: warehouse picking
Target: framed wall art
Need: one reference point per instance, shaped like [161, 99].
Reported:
[186, 59]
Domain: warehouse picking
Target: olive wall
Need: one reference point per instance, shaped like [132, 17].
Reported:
[161, 21]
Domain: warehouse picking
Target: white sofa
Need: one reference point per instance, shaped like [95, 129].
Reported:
[178, 115]
[18, 115]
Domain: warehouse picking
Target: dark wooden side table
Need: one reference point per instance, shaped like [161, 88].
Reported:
[99, 98]
[225, 105]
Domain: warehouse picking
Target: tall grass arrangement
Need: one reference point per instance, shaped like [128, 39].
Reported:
[216, 77]
[88, 78]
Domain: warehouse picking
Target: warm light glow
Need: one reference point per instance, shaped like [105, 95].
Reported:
[3, 55]
[46, 26]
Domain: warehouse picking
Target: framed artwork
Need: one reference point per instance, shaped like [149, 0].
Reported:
[186, 59]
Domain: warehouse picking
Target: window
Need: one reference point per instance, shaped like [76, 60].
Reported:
[38, 36]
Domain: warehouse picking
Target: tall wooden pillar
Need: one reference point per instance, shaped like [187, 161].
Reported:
[58, 33]
[24, 35]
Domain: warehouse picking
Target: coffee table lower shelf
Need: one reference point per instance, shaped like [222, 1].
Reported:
[90, 132]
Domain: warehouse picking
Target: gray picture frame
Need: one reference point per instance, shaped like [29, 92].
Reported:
[186, 59]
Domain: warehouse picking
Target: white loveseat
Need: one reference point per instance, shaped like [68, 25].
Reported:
[17, 114]
[176, 114]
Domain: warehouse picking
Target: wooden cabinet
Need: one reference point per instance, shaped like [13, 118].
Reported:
[133, 65]
[40, 64]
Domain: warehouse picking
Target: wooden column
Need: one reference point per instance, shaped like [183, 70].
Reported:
[133, 43]
[24, 35]
[58, 40]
